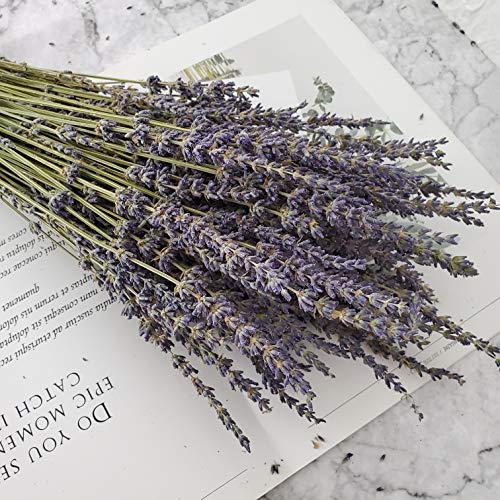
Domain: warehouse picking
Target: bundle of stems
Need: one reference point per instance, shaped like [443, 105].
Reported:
[228, 229]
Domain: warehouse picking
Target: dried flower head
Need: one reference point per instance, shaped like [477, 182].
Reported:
[226, 228]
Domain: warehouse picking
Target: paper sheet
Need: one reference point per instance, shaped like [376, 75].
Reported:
[88, 410]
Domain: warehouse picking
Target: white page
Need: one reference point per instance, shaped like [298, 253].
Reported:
[162, 441]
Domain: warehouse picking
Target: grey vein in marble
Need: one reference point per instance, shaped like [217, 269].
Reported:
[456, 78]
[479, 20]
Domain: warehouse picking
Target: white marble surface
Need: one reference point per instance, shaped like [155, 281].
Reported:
[479, 20]
[455, 452]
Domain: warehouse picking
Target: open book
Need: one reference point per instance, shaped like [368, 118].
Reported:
[89, 410]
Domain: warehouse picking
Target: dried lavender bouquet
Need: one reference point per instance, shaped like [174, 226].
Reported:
[232, 230]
